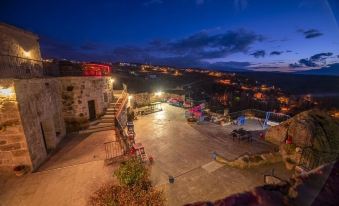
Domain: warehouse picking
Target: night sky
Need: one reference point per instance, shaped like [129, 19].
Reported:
[270, 35]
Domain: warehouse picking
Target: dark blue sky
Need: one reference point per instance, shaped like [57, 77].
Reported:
[278, 35]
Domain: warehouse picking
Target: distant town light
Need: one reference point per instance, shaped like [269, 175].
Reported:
[159, 93]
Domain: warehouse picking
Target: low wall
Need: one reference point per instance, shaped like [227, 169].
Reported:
[145, 98]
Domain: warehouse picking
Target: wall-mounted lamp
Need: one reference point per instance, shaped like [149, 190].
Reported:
[27, 54]
[7, 92]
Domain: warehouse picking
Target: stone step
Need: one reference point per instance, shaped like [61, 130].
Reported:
[107, 121]
[97, 130]
[107, 116]
[101, 125]
[95, 122]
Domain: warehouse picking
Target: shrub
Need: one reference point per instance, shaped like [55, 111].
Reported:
[135, 188]
[115, 195]
[132, 172]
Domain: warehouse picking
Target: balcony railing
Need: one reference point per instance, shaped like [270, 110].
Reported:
[19, 67]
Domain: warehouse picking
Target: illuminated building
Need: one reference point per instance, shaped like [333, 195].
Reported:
[90, 69]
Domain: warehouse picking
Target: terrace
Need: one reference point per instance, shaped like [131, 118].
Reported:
[184, 151]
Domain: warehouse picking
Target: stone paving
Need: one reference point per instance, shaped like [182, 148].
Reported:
[184, 150]
[180, 149]
[68, 178]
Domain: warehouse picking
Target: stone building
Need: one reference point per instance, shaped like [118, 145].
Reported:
[19, 53]
[85, 99]
[35, 110]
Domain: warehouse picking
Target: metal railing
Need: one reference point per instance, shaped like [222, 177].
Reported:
[275, 117]
[114, 149]
[19, 67]
[120, 124]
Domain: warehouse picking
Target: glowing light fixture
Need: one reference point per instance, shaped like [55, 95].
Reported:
[112, 80]
[7, 92]
[27, 54]
[130, 97]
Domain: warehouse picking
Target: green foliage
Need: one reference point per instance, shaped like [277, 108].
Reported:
[132, 172]
[135, 188]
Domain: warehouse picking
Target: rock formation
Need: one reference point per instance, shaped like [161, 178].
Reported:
[312, 130]
[317, 187]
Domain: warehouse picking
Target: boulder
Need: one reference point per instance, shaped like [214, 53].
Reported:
[314, 131]
[313, 128]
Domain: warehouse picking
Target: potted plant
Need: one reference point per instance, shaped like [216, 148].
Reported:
[20, 170]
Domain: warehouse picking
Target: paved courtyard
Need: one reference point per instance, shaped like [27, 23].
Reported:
[180, 149]
[68, 178]
[184, 150]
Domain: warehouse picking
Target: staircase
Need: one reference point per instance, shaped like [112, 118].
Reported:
[106, 122]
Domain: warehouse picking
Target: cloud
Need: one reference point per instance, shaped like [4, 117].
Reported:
[150, 2]
[258, 53]
[230, 64]
[321, 56]
[202, 49]
[52, 48]
[307, 63]
[288, 51]
[314, 61]
[204, 45]
[310, 33]
[276, 53]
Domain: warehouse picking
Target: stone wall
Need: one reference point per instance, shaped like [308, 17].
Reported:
[33, 114]
[77, 91]
[19, 53]
[13, 146]
[145, 98]
[38, 125]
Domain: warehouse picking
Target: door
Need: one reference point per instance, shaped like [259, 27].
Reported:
[44, 138]
[91, 110]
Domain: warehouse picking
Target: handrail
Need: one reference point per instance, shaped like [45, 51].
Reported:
[122, 133]
[122, 95]
[20, 67]
[124, 100]
[11, 56]
[255, 113]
